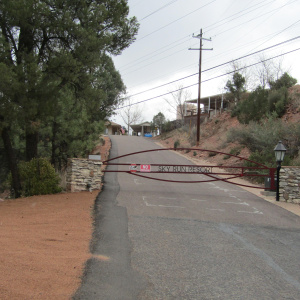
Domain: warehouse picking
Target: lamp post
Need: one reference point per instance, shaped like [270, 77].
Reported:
[279, 154]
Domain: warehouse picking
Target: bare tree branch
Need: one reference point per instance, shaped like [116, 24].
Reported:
[177, 101]
[131, 114]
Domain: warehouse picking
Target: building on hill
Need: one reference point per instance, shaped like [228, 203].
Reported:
[112, 128]
[143, 129]
[210, 106]
[185, 109]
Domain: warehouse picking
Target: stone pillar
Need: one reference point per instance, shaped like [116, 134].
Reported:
[83, 174]
[289, 184]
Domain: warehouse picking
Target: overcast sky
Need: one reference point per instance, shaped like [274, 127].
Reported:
[236, 27]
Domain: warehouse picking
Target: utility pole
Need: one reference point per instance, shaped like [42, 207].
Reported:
[199, 36]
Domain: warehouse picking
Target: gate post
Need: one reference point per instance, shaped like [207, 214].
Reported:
[272, 176]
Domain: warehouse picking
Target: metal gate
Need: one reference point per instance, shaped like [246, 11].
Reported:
[214, 173]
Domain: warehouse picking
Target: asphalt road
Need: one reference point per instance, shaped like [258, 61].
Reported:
[158, 240]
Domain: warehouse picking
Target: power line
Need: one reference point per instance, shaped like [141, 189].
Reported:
[252, 29]
[174, 21]
[220, 65]
[152, 53]
[255, 18]
[154, 88]
[148, 64]
[159, 96]
[135, 61]
[254, 64]
[208, 60]
[191, 13]
[148, 57]
[157, 10]
[278, 33]
[244, 10]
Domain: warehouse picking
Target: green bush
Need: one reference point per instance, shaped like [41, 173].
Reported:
[277, 101]
[236, 150]
[261, 138]
[211, 154]
[264, 136]
[166, 127]
[38, 177]
[262, 102]
[194, 153]
[176, 144]
[253, 108]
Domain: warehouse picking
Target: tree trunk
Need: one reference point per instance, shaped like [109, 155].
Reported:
[54, 146]
[12, 162]
[31, 145]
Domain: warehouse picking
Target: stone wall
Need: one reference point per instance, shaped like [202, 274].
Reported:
[83, 174]
[289, 184]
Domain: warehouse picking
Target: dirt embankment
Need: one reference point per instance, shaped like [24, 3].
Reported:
[213, 137]
[45, 243]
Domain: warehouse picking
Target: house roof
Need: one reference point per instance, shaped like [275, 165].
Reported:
[205, 100]
[138, 127]
[110, 123]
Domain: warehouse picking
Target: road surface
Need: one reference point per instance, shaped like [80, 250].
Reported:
[158, 240]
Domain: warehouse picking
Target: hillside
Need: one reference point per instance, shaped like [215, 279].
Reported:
[213, 137]
[214, 134]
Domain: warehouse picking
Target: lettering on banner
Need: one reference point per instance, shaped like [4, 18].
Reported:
[185, 169]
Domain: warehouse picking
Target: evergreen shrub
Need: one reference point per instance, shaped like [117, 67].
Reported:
[38, 177]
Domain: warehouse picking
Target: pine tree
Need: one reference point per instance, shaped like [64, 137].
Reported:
[47, 46]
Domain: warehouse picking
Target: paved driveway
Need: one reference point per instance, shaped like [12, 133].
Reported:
[188, 241]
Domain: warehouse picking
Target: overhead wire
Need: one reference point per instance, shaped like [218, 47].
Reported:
[231, 50]
[154, 55]
[276, 9]
[182, 37]
[210, 29]
[227, 73]
[136, 60]
[145, 36]
[220, 65]
[151, 63]
[159, 9]
[257, 25]
[241, 11]
[277, 34]
[272, 12]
